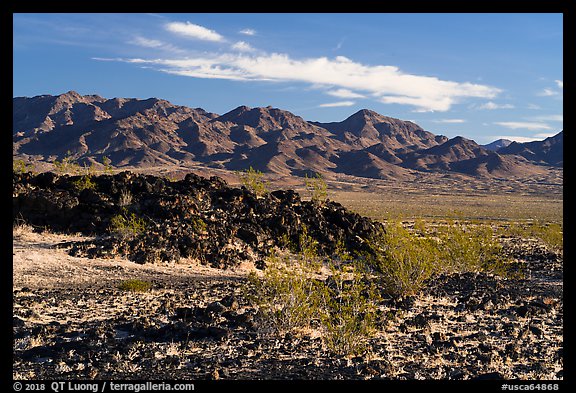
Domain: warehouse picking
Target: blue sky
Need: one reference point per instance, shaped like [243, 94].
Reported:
[481, 76]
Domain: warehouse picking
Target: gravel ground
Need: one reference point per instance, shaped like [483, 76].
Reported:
[70, 321]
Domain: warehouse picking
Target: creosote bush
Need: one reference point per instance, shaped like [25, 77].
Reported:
[127, 226]
[253, 180]
[134, 285]
[317, 187]
[405, 260]
[292, 297]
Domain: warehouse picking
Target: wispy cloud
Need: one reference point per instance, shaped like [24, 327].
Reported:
[524, 125]
[549, 118]
[523, 139]
[344, 93]
[559, 83]
[490, 105]
[548, 93]
[336, 104]
[191, 30]
[155, 44]
[250, 32]
[449, 121]
[387, 84]
[243, 46]
[146, 42]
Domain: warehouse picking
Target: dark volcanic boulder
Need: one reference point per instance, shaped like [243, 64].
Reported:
[148, 218]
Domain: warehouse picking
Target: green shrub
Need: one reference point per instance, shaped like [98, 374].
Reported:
[470, 249]
[67, 165]
[198, 225]
[127, 227]
[134, 285]
[286, 295]
[348, 311]
[107, 165]
[403, 260]
[550, 234]
[253, 180]
[291, 298]
[20, 166]
[317, 188]
[84, 182]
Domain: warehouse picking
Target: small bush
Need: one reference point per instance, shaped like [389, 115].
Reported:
[470, 249]
[253, 180]
[67, 165]
[199, 226]
[84, 182]
[348, 311]
[403, 260]
[291, 298]
[135, 285]
[127, 227]
[286, 296]
[550, 234]
[107, 165]
[20, 166]
[317, 188]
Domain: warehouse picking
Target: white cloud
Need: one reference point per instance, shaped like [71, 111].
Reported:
[344, 93]
[515, 138]
[147, 43]
[524, 125]
[335, 104]
[490, 105]
[559, 83]
[155, 44]
[190, 30]
[548, 93]
[250, 32]
[523, 139]
[243, 46]
[549, 118]
[450, 121]
[387, 84]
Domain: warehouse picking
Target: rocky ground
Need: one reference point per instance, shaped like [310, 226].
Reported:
[71, 321]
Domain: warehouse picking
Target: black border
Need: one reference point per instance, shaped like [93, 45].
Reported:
[399, 6]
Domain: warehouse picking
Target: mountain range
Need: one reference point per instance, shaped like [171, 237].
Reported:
[154, 132]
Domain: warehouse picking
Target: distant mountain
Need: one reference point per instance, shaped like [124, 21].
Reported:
[154, 132]
[549, 151]
[497, 145]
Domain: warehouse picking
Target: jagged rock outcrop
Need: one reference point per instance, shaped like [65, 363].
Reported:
[149, 218]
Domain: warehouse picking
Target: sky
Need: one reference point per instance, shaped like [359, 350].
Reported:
[480, 76]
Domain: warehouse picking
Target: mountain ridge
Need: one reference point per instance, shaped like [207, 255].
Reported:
[150, 132]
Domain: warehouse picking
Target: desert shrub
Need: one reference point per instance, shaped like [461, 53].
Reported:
[67, 165]
[107, 162]
[550, 234]
[403, 260]
[253, 180]
[20, 166]
[348, 310]
[134, 285]
[198, 225]
[291, 297]
[84, 182]
[317, 188]
[470, 249]
[286, 296]
[125, 198]
[406, 260]
[127, 226]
